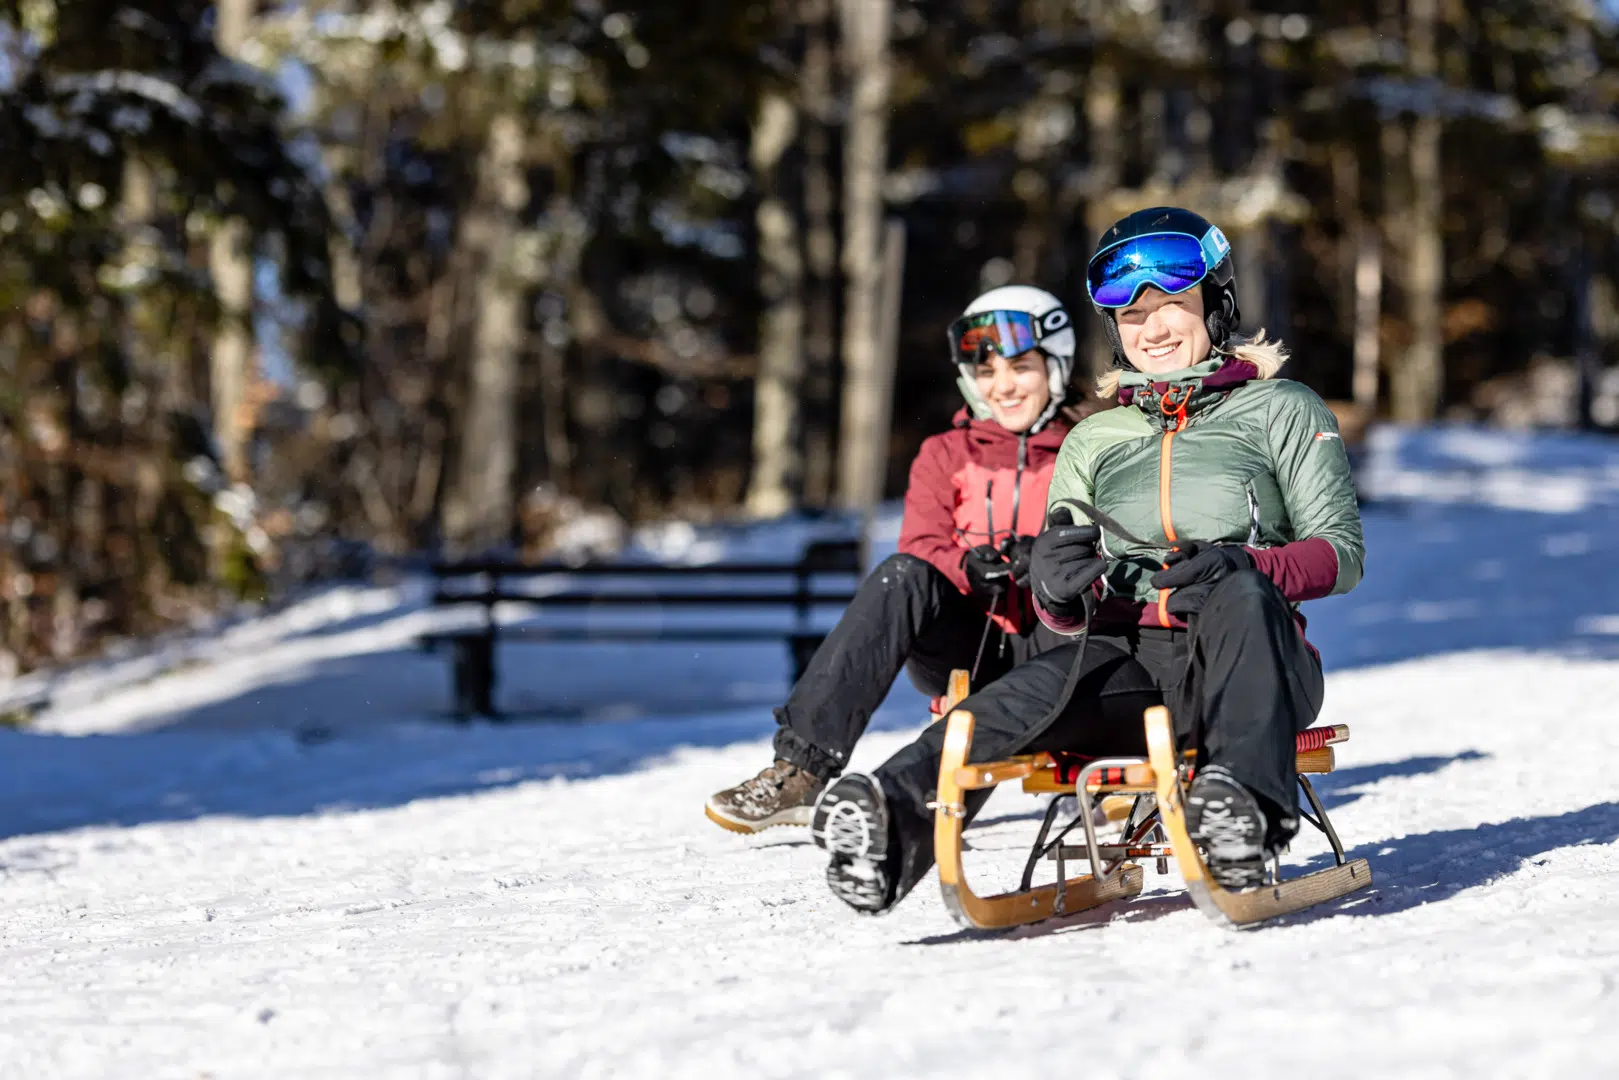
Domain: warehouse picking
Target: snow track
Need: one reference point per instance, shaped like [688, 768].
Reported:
[273, 862]
[601, 927]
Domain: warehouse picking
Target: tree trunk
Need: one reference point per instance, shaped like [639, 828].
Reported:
[821, 255]
[231, 264]
[1368, 312]
[777, 461]
[478, 514]
[347, 286]
[1418, 380]
[1104, 104]
[1045, 127]
[862, 458]
[1587, 367]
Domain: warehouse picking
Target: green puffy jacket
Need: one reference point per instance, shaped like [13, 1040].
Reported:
[1219, 452]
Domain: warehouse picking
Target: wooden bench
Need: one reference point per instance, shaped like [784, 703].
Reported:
[713, 593]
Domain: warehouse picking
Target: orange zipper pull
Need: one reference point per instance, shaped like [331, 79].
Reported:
[1170, 406]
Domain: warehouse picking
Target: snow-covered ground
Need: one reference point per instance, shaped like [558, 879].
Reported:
[265, 853]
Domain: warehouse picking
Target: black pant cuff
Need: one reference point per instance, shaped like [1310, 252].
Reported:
[797, 750]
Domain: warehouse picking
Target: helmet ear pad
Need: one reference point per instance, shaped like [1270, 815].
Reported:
[1220, 312]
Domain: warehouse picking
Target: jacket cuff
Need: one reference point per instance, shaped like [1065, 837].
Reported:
[1302, 570]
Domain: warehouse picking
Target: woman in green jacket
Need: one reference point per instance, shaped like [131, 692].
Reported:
[1184, 529]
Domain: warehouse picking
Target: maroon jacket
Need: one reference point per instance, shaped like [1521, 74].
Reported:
[945, 512]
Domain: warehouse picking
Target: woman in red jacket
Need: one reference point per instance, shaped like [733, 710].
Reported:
[976, 500]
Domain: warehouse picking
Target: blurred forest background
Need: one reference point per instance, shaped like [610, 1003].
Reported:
[285, 286]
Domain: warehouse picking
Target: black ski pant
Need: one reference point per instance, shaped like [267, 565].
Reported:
[1241, 683]
[906, 614]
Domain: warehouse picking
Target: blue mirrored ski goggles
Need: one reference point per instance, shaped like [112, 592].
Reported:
[1172, 262]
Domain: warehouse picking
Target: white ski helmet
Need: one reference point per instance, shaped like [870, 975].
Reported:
[1037, 320]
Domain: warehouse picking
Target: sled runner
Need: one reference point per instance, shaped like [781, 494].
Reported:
[1148, 795]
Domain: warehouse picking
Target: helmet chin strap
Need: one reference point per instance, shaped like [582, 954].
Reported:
[968, 386]
[1058, 392]
[1110, 324]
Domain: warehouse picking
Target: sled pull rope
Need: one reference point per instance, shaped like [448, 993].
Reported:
[989, 617]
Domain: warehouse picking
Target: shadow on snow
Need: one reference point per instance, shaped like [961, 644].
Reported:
[1407, 872]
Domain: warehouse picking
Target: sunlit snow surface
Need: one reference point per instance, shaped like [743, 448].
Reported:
[266, 853]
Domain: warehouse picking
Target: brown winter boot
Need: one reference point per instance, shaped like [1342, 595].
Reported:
[783, 794]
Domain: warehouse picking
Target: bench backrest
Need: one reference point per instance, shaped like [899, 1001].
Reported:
[820, 557]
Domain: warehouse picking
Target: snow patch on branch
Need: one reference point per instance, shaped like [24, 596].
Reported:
[158, 91]
[312, 39]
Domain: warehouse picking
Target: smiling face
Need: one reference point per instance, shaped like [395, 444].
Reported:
[1163, 333]
[1017, 390]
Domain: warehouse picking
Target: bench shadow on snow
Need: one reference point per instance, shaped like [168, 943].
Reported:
[370, 730]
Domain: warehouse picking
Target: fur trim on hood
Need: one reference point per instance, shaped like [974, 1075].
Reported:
[1266, 356]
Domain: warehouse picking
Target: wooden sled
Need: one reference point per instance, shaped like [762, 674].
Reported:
[1148, 796]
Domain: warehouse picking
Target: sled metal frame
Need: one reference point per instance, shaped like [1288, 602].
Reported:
[1154, 827]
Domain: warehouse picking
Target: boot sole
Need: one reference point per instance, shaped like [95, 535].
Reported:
[1238, 876]
[798, 815]
[1234, 870]
[855, 873]
[874, 827]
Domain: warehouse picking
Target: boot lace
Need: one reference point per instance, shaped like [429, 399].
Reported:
[768, 783]
[1226, 833]
[847, 829]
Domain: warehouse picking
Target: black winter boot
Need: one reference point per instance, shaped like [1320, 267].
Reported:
[851, 822]
[1225, 819]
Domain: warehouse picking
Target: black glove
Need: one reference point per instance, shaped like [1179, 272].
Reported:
[1018, 551]
[988, 574]
[1194, 571]
[1064, 564]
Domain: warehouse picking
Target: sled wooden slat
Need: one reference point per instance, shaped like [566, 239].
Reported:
[1232, 908]
[1315, 761]
[991, 773]
[1046, 780]
[1007, 909]
[1118, 807]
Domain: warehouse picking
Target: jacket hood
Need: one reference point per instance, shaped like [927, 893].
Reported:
[1189, 391]
[1264, 356]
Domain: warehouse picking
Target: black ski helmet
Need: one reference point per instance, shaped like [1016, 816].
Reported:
[1219, 285]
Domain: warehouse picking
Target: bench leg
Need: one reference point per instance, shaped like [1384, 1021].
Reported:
[472, 662]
